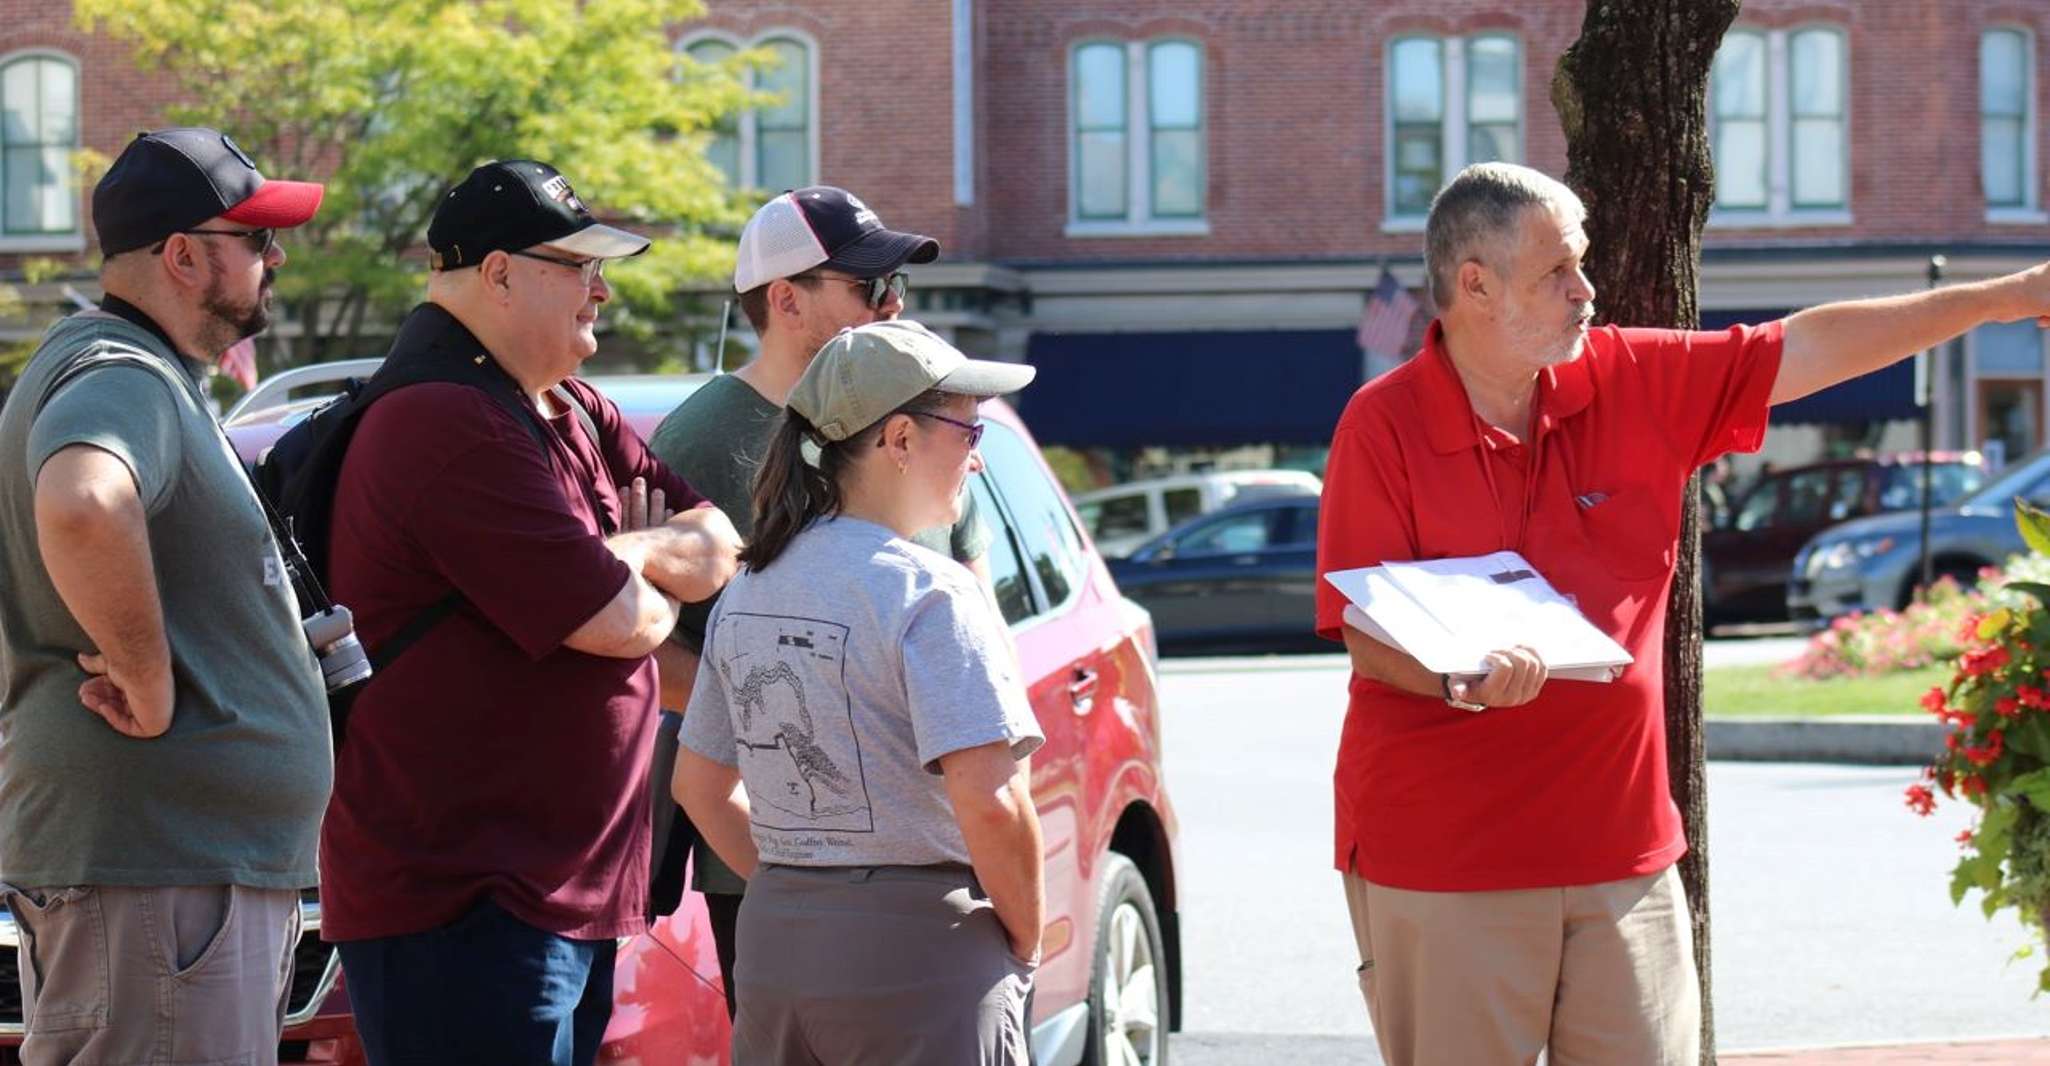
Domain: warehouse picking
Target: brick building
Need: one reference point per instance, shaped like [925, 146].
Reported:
[1176, 207]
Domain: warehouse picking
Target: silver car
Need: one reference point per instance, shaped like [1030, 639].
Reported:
[1873, 563]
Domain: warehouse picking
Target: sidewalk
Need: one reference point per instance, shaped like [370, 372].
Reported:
[1980, 1053]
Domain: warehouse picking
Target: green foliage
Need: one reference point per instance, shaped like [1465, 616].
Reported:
[2034, 526]
[391, 101]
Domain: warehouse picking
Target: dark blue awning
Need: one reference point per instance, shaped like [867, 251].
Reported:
[1882, 395]
[1125, 390]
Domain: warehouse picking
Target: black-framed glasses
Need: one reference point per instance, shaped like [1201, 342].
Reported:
[879, 289]
[974, 428]
[260, 241]
[588, 270]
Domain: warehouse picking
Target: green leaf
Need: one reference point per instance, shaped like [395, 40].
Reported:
[1995, 621]
[1962, 878]
[2034, 525]
[2037, 589]
[2036, 783]
[2032, 737]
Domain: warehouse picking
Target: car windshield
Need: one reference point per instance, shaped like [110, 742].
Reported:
[2017, 481]
[1901, 487]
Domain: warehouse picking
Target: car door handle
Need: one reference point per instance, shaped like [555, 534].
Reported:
[1245, 560]
[1082, 690]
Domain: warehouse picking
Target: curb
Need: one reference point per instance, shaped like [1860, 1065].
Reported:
[1875, 741]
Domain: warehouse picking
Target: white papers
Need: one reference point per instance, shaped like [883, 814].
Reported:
[1450, 613]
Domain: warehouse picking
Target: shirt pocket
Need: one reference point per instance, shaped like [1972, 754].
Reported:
[1629, 532]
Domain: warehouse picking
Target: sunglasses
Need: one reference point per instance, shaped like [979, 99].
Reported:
[880, 289]
[260, 241]
[588, 270]
[974, 428]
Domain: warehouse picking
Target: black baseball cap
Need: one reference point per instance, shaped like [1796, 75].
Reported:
[820, 225]
[171, 180]
[514, 204]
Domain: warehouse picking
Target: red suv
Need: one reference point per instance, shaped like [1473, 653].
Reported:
[1109, 989]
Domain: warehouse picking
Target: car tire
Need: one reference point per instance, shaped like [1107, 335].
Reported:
[1128, 997]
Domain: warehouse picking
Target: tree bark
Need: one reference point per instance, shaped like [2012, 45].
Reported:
[1631, 94]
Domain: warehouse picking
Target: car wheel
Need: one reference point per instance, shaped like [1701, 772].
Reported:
[1128, 984]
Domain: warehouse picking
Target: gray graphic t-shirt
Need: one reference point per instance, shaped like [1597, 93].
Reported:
[836, 678]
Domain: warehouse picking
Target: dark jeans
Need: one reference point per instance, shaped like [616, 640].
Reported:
[486, 989]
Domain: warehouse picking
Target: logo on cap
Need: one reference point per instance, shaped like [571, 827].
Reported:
[862, 215]
[557, 188]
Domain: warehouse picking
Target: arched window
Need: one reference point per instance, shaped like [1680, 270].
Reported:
[38, 135]
[769, 147]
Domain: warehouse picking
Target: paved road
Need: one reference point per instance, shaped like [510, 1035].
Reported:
[1832, 920]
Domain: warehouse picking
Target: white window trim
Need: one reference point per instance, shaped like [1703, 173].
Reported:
[1780, 212]
[74, 240]
[745, 128]
[1138, 220]
[2030, 210]
[1452, 124]
[1974, 433]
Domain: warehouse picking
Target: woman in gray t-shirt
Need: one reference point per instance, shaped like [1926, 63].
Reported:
[856, 744]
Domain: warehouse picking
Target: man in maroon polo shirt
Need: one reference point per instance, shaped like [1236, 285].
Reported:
[1507, 842]
[488, 838]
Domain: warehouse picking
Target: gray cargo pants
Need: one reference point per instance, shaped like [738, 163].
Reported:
[147, 976]
[877, 966]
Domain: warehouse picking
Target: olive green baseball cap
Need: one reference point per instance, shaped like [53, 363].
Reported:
[866, 372]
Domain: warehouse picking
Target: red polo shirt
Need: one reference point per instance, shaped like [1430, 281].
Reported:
[1570, 788]
[489, 760]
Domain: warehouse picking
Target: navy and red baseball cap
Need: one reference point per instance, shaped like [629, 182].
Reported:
[174, 179]
[820, 225]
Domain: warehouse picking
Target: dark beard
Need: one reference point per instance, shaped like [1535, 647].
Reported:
[238, 323]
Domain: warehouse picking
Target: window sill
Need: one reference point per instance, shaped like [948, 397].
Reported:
[1402, 224]
[2016, 216]
[1778, 220]
[1191, 227]
[43, 242]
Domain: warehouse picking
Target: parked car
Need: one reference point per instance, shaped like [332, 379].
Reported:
[1122, 517]
[1747, 558]
[1244, 575]
[1109, 986]
[1875, 562]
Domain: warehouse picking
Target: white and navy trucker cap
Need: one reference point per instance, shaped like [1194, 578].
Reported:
[820, 225]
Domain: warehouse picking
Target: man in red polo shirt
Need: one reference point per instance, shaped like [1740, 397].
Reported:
[1507, 842]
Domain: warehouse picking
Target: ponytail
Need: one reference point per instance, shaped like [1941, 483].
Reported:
[791, 493]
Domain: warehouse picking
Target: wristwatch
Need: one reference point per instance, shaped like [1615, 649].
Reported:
[1445, 686]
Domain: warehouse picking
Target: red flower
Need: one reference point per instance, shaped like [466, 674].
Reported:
[1932, 701]
[1969, 631]
[1921, 800]
[1972, 786]
[1983, 755]
[1964, 838]
[1983, 661]
[1947, 781]
[2007, 707]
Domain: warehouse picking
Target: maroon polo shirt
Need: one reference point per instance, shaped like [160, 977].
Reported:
[489, 760]
[1570, 788]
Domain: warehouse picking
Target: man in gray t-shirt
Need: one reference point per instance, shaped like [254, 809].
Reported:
[812, 262]
[164, 743]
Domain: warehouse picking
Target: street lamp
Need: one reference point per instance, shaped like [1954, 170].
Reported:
[1925, 371]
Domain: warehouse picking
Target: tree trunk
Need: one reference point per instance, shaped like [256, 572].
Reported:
[1631, 95]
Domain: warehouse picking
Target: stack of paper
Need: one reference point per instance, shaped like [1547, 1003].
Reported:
[1449, 614]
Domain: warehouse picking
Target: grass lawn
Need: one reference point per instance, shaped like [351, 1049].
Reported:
[1736, 691]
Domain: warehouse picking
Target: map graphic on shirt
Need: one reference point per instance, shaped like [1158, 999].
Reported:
[794, 728]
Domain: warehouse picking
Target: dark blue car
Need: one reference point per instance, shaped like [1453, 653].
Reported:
[1244, 575]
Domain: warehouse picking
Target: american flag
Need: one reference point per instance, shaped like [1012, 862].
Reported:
[239, 362]
[1384, 325]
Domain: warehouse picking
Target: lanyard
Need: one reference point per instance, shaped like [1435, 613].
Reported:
[1530, 477]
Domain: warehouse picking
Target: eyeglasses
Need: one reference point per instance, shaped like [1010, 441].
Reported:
[260, 241]
[974, 428]
[588, 270]
[880, 289]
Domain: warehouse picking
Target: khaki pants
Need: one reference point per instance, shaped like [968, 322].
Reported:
[118, 976]
[1602, 975]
